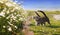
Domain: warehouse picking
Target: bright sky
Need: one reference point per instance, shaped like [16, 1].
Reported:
[40, 4]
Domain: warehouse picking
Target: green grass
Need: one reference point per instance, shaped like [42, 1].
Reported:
[54, 29]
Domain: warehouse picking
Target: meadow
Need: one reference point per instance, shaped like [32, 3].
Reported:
[54, 29]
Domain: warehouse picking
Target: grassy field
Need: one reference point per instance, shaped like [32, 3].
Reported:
[54, 29]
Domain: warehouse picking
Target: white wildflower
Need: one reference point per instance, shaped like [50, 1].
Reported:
[9, 29]
[4, 26]
[16, 27]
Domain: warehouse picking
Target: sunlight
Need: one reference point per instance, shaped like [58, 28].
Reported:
[57, 17]
[1, 1]
[16, 27]
[16, 7]
[9, 4]
[4, 26]
[2, 14]
[9, 29]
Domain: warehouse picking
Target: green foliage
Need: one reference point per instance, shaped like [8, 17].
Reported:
[11, 18]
